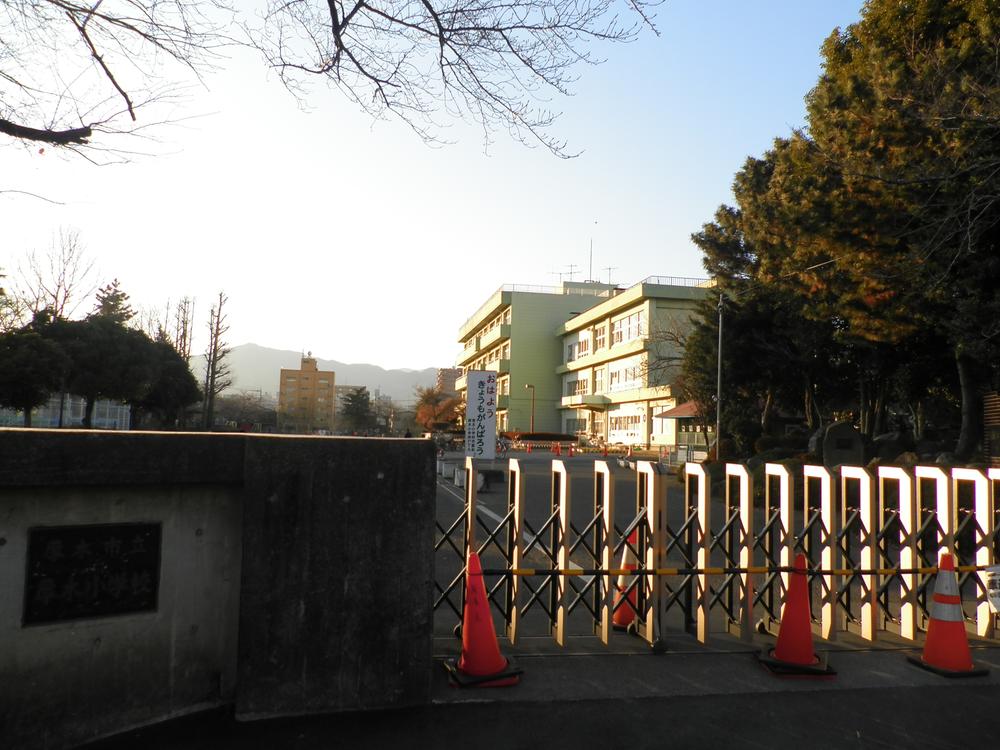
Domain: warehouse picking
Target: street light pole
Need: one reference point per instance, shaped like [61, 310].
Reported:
[718, 388]
[529, 386]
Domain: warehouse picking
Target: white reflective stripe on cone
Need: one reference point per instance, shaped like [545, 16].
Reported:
[947, 612]
[946, 583]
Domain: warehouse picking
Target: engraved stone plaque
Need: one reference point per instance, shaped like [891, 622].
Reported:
[77, 572]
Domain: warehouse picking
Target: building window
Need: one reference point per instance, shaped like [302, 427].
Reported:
[599, 380]
[599, 337]
[583, 347]
[628, 328]
[630, 422]
[617, 332]
[625, 374]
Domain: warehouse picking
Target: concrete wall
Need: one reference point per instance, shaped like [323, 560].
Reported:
[276, 554]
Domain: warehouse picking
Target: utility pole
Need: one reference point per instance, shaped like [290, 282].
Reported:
[609, 269]
[718, 387]
[530, 387]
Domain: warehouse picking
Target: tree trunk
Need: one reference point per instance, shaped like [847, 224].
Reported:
[808, 408]
[872, 404]
[88, 413]
[879, 408]
[27, 417]
[972, 407]
[917, 419]
[862, 407]
[765, 416]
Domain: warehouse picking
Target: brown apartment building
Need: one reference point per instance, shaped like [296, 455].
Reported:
[307, 399]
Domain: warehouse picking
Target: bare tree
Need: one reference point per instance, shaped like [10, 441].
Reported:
[72, 69]
[183, 325]
[154, 322]
[218, 375]
[61, 279]
[12, 309]
[494, 63]
[667, 342]
[77, 74]
[169, 324]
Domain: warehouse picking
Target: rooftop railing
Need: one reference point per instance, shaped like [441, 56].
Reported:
[677, 281]
[582, 290]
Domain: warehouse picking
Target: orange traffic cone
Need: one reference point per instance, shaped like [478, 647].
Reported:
[946, 650]
[569, 451]
[604, 450]
[793, 654]
[630, 451]
[481, 663]
[557, 449]
[624, 611]
[528, 448]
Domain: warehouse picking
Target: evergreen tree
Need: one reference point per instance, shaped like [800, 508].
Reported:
[357, 409]
[113, 304]
[907, 114]
[172, 389]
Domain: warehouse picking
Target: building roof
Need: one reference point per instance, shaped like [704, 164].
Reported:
[686, 410]
[502, 297]
[652, 287]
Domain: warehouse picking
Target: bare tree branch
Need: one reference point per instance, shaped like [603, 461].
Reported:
[66, 66]
[495, 63]
[32, 195]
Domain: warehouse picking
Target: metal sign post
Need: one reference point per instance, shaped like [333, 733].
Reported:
[480, 432]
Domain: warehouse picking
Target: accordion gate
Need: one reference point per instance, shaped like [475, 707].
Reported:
[864, 532]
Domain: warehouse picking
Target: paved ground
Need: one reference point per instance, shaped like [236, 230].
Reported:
[692, 696]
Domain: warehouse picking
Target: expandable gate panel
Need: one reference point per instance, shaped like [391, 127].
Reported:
[716, 564]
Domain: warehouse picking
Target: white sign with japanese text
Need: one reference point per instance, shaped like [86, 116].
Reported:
[481, 414]
[992, 576]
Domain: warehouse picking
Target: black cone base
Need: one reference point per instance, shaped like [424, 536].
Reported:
[781, 668]
[510, 675]
[918, 659]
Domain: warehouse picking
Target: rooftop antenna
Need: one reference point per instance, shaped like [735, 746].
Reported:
[609, 269]
[572, 270]
[590, 272]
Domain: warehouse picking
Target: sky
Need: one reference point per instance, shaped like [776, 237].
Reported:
[351, 238]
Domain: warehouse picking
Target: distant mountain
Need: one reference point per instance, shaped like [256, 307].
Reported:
[257, 367]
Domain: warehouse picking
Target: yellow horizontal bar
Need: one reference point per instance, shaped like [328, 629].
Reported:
[755, 570]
